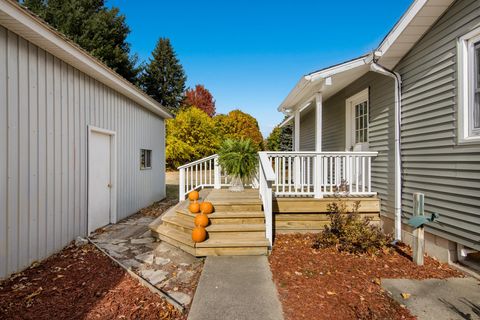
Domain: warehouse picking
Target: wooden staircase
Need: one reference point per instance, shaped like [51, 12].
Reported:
[237, 226]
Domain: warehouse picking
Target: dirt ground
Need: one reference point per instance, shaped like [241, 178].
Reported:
[80, 283]
[326, 284]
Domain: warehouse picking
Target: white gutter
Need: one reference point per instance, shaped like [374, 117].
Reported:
[398, 157]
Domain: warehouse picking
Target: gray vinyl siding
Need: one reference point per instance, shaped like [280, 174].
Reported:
[433, 162]
[381, 130]
[307, 130]
[45, 108]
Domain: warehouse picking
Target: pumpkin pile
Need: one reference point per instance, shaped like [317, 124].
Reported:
[199, 234]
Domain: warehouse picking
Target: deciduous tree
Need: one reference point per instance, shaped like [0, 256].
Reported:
[237, 125]
[191, 135]
[201, 98]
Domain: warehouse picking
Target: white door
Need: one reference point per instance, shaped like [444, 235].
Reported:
[100, 181]
[357, 122]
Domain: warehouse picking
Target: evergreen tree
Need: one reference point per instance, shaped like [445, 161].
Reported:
[163, 77]
[99, 30]
[286, 136]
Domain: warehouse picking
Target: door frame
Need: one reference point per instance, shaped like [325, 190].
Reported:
[113, 173]
[349, 117]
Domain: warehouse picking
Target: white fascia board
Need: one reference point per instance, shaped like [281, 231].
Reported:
[401, 25]
[35, 30]
[312, 78]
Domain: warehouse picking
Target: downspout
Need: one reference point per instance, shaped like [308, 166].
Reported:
[375, 67]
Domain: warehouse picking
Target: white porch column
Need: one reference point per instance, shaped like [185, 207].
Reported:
[296, 161]
[296, 134]
[318, 178]
[318, 122]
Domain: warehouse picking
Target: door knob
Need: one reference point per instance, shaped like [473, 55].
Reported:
[109, 185]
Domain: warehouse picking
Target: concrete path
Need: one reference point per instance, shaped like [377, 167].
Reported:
[236, 288]
[454, 298]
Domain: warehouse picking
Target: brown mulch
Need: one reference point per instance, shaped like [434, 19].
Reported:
[80, 283]
[157, 208]
[326, 284]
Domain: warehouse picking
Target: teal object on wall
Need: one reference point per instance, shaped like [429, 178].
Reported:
[419, 221]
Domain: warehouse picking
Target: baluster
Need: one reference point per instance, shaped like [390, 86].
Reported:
[369, 177]
[283, 174]
[363, 174]
[331, 174]
[356, 173]
[289, 174]
[308, 174]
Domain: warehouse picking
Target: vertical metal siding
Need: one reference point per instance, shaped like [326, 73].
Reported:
[45, 108]
[381, 130]
[433, 162]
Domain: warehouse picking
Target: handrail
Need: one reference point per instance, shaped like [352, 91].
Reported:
[198, 161]
[322, 153]
[266, 167]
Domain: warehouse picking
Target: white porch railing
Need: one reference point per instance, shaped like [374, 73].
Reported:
[266, 180]
[321, 173]
[199, 174]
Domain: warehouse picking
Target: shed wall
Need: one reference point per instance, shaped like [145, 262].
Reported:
[45, 108]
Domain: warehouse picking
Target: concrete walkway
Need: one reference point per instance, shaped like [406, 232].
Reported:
[454, 298]
[236, 288]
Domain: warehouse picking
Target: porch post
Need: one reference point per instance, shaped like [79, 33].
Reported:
[318, 146]
[217, 183]
[296, 161]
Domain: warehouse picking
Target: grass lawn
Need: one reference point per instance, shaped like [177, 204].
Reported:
[326, 284]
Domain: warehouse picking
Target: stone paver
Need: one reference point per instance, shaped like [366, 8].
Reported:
[239, 288]
[166, 267]
[434, 299]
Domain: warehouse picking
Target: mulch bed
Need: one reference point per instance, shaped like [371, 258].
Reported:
[80, 283]
[326, 284]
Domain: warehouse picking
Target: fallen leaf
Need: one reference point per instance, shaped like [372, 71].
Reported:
[331, 293]
[405, 295]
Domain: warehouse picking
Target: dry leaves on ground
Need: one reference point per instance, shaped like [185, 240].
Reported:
[326, 284]
[80, 283]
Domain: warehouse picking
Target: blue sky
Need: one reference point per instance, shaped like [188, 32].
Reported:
[250, 54]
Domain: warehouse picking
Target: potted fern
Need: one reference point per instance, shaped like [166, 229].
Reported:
[239, 159]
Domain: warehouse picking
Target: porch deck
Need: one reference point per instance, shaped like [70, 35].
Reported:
[237, 227]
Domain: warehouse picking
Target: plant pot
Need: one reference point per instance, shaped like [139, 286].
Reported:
[236, 185]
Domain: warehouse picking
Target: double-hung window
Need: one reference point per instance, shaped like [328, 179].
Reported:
[469, 87]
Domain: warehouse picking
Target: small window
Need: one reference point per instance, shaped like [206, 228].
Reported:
[469, 87]
[145, 159]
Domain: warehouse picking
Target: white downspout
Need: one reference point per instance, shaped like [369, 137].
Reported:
[398, 157]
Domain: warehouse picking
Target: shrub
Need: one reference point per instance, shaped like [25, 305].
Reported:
[348, 232]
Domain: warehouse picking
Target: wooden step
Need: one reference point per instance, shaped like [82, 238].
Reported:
[176, 238]
[227, 214]
[233, 247]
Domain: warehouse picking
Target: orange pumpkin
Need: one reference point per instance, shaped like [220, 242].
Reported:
[201, 220]
[193, 196]
[206, 207]
[194, 207]
[199, 234]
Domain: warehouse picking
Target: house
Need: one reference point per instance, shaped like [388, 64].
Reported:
[415, 102]
[80, 147]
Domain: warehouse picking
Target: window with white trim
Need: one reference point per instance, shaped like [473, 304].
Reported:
[469, 87]
[145, 159]
[361, 122]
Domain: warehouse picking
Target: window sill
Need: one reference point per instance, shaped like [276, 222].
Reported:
[469, 140]
[149, 168]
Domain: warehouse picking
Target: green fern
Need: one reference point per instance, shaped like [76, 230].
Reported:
[238, 158]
